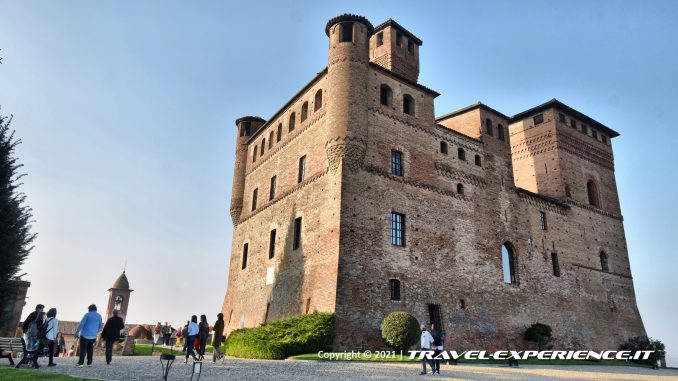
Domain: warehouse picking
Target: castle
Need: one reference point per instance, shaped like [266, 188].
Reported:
[355, 199]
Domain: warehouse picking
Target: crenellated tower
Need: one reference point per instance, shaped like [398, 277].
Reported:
[247, 125]
[347, 74]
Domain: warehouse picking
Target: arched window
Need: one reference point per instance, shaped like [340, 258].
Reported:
[478, 162]
[118, 302]
[254, 154]
[263, 146]
[394, 288]
[277, 138]
[385, 95]
[346, 32]
[603, 262]
[270, 140]
[461, 154]
[500, 132]
[408, 104]
[293, 119]
[443, 148]
[488, 127]
[592, 192]
[304, 111]
[508, 263]
[460, 188]
[318, 102]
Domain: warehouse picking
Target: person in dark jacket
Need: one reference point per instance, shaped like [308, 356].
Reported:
[32, 316]
[111, 333]
[202, 336]
[218, 337]
[437, 348]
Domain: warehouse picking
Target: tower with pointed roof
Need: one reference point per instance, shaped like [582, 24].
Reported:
[118, 297]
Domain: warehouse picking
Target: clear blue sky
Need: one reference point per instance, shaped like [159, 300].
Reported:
[126, 110]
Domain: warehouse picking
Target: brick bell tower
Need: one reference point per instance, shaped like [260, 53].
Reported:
[118, 297]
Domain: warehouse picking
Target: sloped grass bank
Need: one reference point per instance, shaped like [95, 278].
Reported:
[283, 338]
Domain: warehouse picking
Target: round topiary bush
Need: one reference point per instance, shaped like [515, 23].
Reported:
[400, 330]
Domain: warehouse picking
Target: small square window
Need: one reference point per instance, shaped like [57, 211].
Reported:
[538, 119]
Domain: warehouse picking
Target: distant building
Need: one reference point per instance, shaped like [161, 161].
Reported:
[353, 198]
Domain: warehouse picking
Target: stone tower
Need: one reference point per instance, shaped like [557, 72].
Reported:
[118, 297]
[347, 71]
[247, 126]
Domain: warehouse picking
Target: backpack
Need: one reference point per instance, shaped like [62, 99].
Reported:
[41, 330]
[437, 339]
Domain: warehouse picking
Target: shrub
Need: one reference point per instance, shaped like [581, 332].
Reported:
[283, 338]
[400, 330]
[644, 343]
[540, 334]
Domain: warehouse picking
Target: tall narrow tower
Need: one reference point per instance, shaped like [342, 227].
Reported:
[347, 73]
[118, 297]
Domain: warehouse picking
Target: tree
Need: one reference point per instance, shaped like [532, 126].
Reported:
[15, 220]
[644, 343]
[400, 330]
[540, 334]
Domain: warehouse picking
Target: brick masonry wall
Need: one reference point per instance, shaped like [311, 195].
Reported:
[453, 241]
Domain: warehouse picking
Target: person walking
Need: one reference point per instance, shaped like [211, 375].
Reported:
[437, 347]
[218, 337]
[184, 336]
[60, 345]
[87, 332]
[50, 335]
[30, 327]
[156, 333]
[191, 333]
[111, 334]
[166, 332]
[37, 330]
[426, 343]
[202, 336]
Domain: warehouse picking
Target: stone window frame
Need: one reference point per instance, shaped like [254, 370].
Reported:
[318, 100]
[512, 257]
[244, 255]
[443, 147]
[395, 289]
[543, 223]
[478, 160]
[385, 95]
[555, 263]
[409, 107]
[271, 243]
[398, 229]
[297, 233]
[489, 129]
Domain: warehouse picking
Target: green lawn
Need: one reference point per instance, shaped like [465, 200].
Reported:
[405, 358]
[145, 349]
[11, 374]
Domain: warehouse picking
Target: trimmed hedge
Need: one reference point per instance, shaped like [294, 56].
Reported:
[400, 330]
[280, 339]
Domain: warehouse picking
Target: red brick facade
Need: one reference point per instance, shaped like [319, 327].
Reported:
[515, 176]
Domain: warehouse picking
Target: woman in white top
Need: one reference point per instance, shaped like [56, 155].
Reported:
[190, 338]
[51, 333]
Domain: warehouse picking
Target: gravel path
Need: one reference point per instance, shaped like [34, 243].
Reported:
[148, 368]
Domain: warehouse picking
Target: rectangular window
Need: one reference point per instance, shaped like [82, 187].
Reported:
[254, 199]
[399, 39]
[410, 47]
[302, 169]
[603, 138]
[556, 265]
[594, 133]
[271, 245]
[271, 192]
[573, 123]
[397, 163]
[346, 32]
[561, 117]
[297, 234]
[244, 255]
[538, 119]
[397, 229]
[394, 286]
[279, 134]
[380, 39]
[542, 221]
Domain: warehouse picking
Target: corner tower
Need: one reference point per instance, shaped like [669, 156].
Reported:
[247, 126]
[118, 297]
[347, 78]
